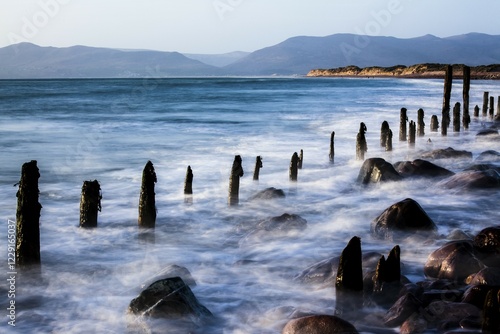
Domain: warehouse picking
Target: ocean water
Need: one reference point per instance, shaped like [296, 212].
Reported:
[107, 130]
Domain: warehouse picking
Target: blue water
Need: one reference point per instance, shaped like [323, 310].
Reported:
[107, 130]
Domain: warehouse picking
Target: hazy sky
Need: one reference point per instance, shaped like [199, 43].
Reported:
[218, 26]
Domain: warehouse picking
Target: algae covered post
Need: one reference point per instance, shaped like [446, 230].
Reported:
[234, 181]
[147, 205]
[28, 217]
[90, 203]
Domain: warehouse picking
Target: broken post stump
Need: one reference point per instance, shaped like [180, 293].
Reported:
[465, 94]
[234, 181]
[456, 117]
[485, 103]
[349, 279]
[361, 146]
[388, 142]
[258, 166]
[90, 204]
[490, 319]
[492, 107]
[413, 132]
[28, 217]
[476, 111]
[301, 159]
[293, 167]
[384, 131]
[434, 123]
[147, 205]
[420, 123]
[332, 147]
[445, 116]
[402, 124]
[188, 182]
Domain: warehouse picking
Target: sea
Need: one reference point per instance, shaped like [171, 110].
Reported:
[108, 129]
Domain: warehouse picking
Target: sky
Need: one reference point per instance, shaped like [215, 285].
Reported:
[220, 26]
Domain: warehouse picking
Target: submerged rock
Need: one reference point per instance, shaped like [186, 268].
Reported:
[172, 270]
[275, 227]
[376, 170]
[489, 155]
[268, 193]
[402, 309]
[319, 324]
[421, 167]
[472, 180]
[404, 217]
[447, 153]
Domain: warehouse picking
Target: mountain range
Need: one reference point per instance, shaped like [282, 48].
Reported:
[294, 56]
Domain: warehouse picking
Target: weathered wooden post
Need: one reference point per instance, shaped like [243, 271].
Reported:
[361, 146]
[147, 204]
[445, 118]
[349, 279]
[485, 103]
[332, 147]
[456, 117]
[28, 217]
[90, 203]
[434, 123]
[466, 119]
[465, 94]
[234, 181]
[188, 181]
[384, 131]
[388, 270]
[293, 167]
[402, 124]
[258, 166]
[498, 106]
[492, 107]
[476, 111]
[490, 319]
[388, 143]
[413, 132]
[301, 159]
[420, 123]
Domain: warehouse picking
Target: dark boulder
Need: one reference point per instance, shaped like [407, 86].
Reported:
[275, 227]
[376, 170]
[447, 153]
[172, 270]
[168, 298]
[486, 276]
[456, 260]
[469, 180]
[268, 193]
[402, 309]
[442, 312]
[319, 324]
[476, 294]
[421, 167]
[491, 132]
[483, 167]
[404, 217]
[489, 155]
[488, 240]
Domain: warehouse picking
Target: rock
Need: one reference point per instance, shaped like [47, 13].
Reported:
[172, 270]
[487, 132]
[486, 276]
[275, 227]
[402, 309]
[415, 324]
[488, 240]
[447, 153]
[168, 298]
[440, 311]
[268, 193]
[476, 294]
[319, 324]
[491, 320]
[376, 170]
[483, 167]
[472, 180]
[489, 155]
[404, 217]
[421, 167]
[455, 260]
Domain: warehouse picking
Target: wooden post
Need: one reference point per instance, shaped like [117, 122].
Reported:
[234, 181]
[485, 103]
[402, 124]
[28, 217]
[456, 117]
[293, 167]
[445, 118]
[388, 270]
[90, 203]
[301, 159]
[147, 204]
[490, 319]
[413, 132]
[332, 147]
[476, 111]
[349, 279]
[466, 119]
[258, 166]
[361, 146]
[492, 107]
[420, 123]
[465, 94]
[434, 123]
[384, 131]
[188, 182]
[498, 106]
[388, 143]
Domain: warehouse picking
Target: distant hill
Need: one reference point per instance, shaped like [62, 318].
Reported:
[295, 56]
[27, 60]
[299, 55]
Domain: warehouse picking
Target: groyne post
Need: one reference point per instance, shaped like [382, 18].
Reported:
[456, 117]
[234, 181]
[389, 270]
[402, 124]
[445, 118]
[293, 167]
[498, 106]
[413, 132]
[147, 203]
[485, 103]
[465, 92]
[301, 159]
[388, 142]
[434, 123]
[188, 181]
[90, 203]
[420, 123]
[492, 107]
[490, 320]
[349, 279]
[332, 147]
[384, 131]
[258, 166]
[476, 111]
[28, 217]
[361, 146]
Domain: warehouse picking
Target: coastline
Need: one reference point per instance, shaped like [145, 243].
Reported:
[418, 71]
